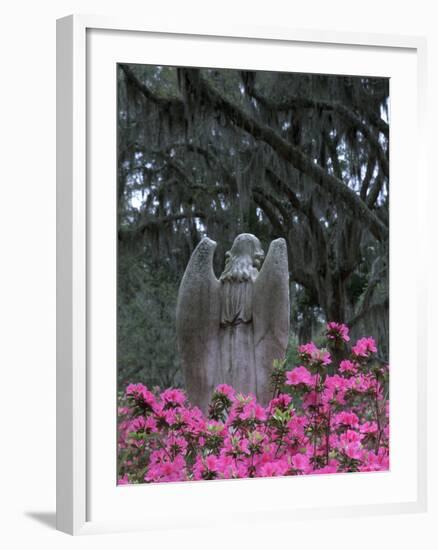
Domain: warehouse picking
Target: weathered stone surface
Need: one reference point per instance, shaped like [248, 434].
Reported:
[197, 324]
[271, 315]
[230, 330]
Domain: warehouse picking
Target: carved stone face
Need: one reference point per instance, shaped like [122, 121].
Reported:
[246, 244]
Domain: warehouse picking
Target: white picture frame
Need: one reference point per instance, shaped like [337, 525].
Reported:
[76, 240]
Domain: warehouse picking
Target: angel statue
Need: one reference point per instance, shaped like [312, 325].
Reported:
[230, 330]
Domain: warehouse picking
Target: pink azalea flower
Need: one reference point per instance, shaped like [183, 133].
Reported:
[211, 462]
[170, 416]
[137, 424]
[229, 467]
[226, 390]
[207, 465]
[337, 331]
[311, 399]
[296, 426]
[351, 444]
[308, 349]
[336, 382]
[215, 427]
[300, 462]
[168, 470]
[140, 393]
[173, 397]
[376, 462]
[281, 402]
[299, 375]
[362, 383]
[176, 444]
[335, 388]
[187, 445]
[353, 450]
[311, 354]
[368, 428]
[350, 436]
[346, 418]
[330, 468]
[324, 357]
[348, 367]
[253, 411]
[272, 469]
[150, 424]
[364, 347]
[123, 480]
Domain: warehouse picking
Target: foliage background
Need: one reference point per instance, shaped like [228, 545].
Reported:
[220, 152]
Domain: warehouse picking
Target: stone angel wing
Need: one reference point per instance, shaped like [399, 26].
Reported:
[197, 324]
[271, 315]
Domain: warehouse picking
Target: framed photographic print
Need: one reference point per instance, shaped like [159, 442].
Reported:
[238, 320]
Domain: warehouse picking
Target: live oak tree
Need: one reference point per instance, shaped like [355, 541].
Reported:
[219, 152]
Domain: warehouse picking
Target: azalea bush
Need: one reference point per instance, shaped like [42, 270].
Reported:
[325, 416]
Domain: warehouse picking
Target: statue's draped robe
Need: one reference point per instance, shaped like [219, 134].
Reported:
[237, 335]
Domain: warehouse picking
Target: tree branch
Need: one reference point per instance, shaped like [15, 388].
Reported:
[285, 150]
[342, 110]
[143, 89]
[149, 223]
[375, 191]
[293, 155]
[367, 178]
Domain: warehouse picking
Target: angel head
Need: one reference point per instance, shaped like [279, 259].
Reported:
[244, 259]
